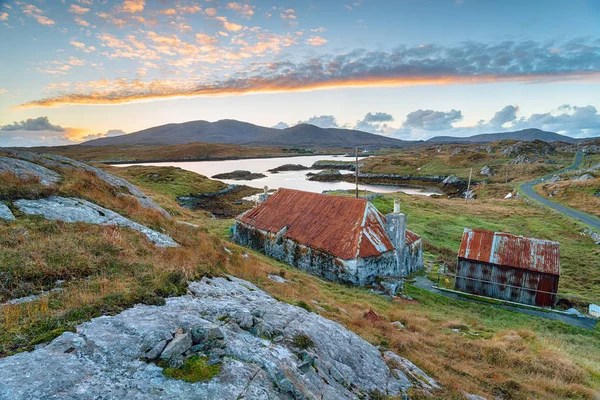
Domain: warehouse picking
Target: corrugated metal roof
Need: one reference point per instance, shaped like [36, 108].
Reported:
[411, 237]
[345, 227]
[511, 251]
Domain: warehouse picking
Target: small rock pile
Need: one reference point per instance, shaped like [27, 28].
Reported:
[205, 340]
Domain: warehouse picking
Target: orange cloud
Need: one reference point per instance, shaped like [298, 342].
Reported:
[75, 9]
[230, 26]
[122, 91]
[32, 11]
[245, 10]
[133, 6]
[316, 41]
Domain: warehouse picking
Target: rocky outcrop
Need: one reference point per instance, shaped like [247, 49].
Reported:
[228, 320]
[78, 210]
[239, 175]
[23, 169]
[528, 152]
[252, 336]
[288, 167]
[487, 171]
[585, 177]
[337, 165]
[56, 161]
[5, 212]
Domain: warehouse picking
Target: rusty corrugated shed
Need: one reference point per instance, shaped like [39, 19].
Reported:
[345, 227]
[511, 251]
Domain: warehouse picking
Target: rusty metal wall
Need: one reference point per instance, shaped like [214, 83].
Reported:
[506, 283]
[511, 250]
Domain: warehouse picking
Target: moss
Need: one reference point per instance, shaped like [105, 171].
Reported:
[303, 304]
[194, 369]
[46, 337]
[302, 341]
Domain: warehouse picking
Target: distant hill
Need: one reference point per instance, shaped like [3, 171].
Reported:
[527, 135]
[243, 133]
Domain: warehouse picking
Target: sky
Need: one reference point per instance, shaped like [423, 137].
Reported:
[75, 70]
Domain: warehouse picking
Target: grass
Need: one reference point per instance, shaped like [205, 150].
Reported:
[458, 160]
[302, 341]
[194, 369]
[139, 153]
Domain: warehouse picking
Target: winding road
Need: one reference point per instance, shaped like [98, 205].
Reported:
[528, 190]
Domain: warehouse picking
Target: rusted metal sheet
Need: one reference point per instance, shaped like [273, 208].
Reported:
[511, 251]
[506, 283]
[411, 237]
[345, 227]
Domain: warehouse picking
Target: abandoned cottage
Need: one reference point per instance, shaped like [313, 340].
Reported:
[343, 239]
[508, 267]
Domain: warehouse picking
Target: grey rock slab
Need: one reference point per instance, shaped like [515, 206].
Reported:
[277, 278]
[176, 347]
[57, 161]
[103, 359]
[70, 209]
[5, 212]
[22, 169]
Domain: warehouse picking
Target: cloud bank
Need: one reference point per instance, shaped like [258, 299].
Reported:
[41, 132]
[466, 63]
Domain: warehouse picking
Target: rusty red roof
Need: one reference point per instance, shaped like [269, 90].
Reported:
[511, 251]
[345, 227]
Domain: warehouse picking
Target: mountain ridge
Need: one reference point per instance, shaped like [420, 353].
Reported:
[243, 133]
[230, 131]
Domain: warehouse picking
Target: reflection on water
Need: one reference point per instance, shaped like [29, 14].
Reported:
[289, 179]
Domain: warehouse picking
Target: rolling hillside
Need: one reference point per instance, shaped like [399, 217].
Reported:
[525, 134]
[243, 133]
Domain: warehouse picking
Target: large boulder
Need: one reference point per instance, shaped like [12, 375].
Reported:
[5, 212]
[77, 210]
[23, 169]
[105, 357]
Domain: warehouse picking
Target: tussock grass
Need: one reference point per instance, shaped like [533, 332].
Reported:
[12, 187]
[580, 195]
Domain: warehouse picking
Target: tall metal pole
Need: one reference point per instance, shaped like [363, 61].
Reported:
[356, 172]
[469, 185]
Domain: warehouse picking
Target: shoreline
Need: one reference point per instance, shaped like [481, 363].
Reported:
[229, 158]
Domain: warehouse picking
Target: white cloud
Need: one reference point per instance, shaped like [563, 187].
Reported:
[431, 120]
[280, 125]
[316, 41]
[322, 121]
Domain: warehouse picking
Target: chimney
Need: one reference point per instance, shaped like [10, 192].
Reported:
[395, 227]
[263, 196]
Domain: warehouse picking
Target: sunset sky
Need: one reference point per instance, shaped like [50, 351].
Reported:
[72, 70]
